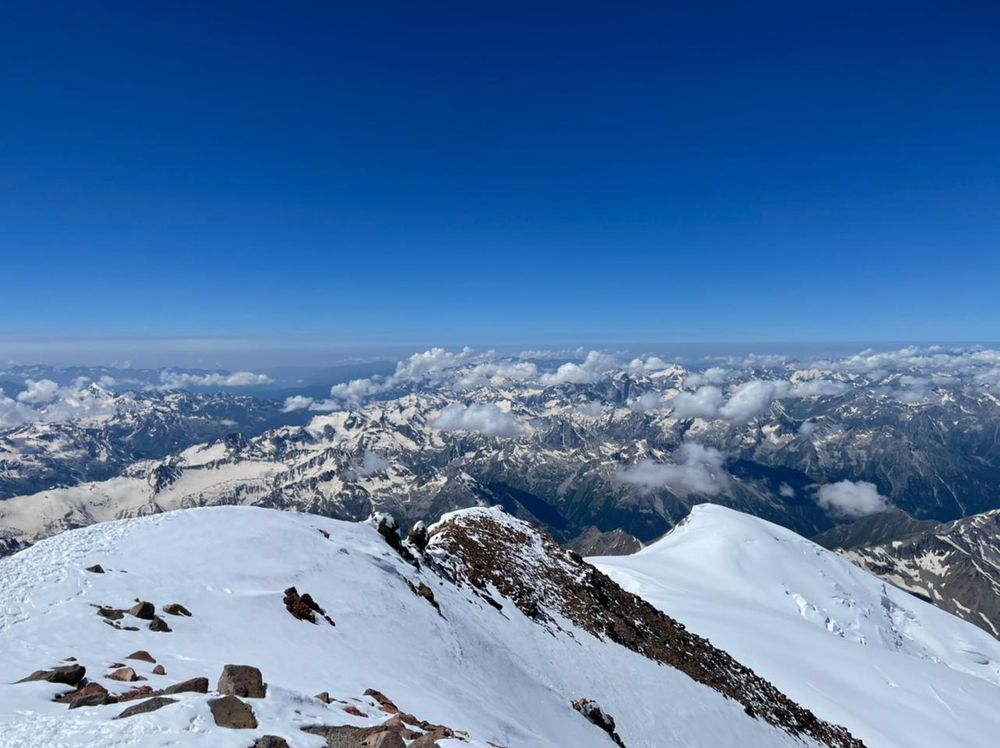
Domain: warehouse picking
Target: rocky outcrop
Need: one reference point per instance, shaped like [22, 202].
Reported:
[304, 607]
[229, 711]
[597, 716]
[493, 552]
[242, 680]
[69, 675]
[192, 685]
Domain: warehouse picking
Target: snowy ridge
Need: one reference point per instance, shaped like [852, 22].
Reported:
[434, 646]
[893, 669]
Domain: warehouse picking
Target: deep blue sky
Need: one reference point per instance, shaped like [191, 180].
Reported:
[490, 173]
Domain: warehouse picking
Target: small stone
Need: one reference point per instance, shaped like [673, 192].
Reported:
[159, 670]
[270, 741]
[69, 675]
[141, 692]
[110, 614]
[150, 705]
[158, 624]
[354, 711]
[176, 609]
[192, 685]
[95, 569]
[144, 610]
[125, 674]
[142, 655]
[242, 680]
[228, 711]
[324, 697]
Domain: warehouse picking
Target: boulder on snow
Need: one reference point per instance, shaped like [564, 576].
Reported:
[383, 701]
[159, 670]
[228, 711]
[242, 680]
[143, 609]
[69, 675]
[158, 624]
[597, 716]
[192, 685]
[125, 674]
[92, 694]
[304, 607]
[143, 707]
[141, 654]
[95, 569]
[383, 739]
[140, 692]
[418, 536]
[176, 609]
[270, 741]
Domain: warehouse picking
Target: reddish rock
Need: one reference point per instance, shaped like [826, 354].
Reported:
[192, 685]
[143, 609]
[69, 675]
[228, 711]
[158, 624]
[176, 609]
[304, 607]
[242, 680]
[150, 705]
[137, 693]
[354, 711]
[383, 701]
[142, 655]
[159, 670]
[324, 697]
[125, 674]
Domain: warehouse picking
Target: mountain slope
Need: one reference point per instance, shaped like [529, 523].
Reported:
[428, 630]
[896, 671]
[955, 565]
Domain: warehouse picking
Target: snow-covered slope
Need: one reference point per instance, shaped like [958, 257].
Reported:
[894, 670]
[433, 632]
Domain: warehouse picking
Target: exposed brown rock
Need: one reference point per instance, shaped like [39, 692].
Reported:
[354, 711]
[228, 711]
[92, 694]
[343, 736]
[270, 741]
[143, 707]
[242, 680]
[140, 692]
[143, 609]
[383, 701]
[159, 670]
[176, 609]
[142, 655]
[158, 624]
[417, 536]
[593, 712]
[389, 529]
[324, 697]
[192, 685]
[95, 569]
[110, 614]
[125, 674]
[547, 584]
[422, 590]
[304, 607]
[383, 739]
[69, 675]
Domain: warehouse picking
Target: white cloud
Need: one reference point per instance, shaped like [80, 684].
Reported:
[703, 403]
[808, 428]
[647, 365]
[786, 491]
[751, 399]
[36, 392]
[482, 418]
[696, 469]
[176, 380]
[427, 365]
[13, 413]
[851, 499]
[714, 375]
[818, 388]
[296, 402]
[591, 369]
[481, 375]
[648, 401]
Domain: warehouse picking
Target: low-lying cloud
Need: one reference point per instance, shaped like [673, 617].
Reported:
[851, 499]
[695, 469]
[481, 418]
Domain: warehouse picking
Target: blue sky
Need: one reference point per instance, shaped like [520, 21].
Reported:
[462, 172]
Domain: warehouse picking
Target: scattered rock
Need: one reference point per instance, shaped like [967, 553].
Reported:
[354, 711]
[95, 569]
[429, 739]
[159, 670]
[324, 533]
[176, 609]
[143, 707]
[270, 741]
[304, 607]
[383, 739]
[92, 694]
[143, 609]
[324, 696]
[158, 624]
[192, 685]
[593, 712]
[242, 680]
[110, 614]
[228, 711]
[69, 675]
[418, 536]
[142, 655]
[383, 701]
[141, 692]
[344, 736]
[422, 590]
[125, 674]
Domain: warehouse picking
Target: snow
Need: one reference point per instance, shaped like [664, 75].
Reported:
[894, 670]
[498, 675]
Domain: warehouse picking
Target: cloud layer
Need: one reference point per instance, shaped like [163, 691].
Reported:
[851, 499]
[695, 469]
